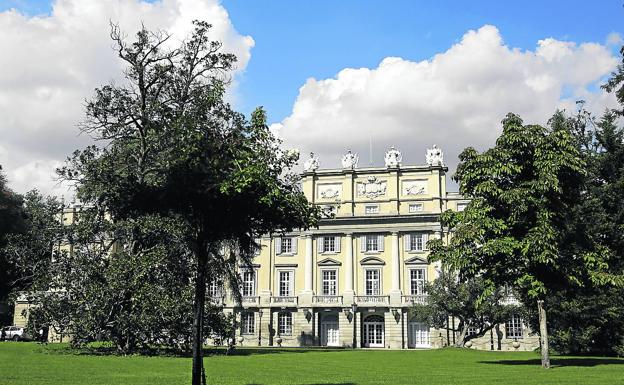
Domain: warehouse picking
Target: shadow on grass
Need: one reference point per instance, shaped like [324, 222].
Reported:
[560, 362]
[331, 383]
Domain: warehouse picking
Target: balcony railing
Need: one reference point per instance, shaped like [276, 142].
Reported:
[327, 299]
[250, 300]
[217, 300]
[284, 300]
[420, 299]
[372, 299]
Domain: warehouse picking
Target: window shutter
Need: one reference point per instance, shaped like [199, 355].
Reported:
[278, 246]
[337, 243]
[425, 239]
[380, 243]
[319, 244]
[294, 245]
[408, 241]
[363, 243]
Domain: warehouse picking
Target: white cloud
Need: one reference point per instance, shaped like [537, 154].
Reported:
[456, 99]
[51, 64]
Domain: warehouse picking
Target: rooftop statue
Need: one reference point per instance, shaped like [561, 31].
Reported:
[349, 160]
[393, 157]
[435, 156]
[311, 164]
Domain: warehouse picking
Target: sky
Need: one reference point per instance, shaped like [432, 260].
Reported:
[332, 75]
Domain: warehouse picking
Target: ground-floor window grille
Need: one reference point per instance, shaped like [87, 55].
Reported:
[248, 323]
[513, 327]
[284, 323]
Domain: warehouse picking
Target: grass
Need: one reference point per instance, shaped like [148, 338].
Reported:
[30, 363]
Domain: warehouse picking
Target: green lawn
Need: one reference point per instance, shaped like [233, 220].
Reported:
[30, 363]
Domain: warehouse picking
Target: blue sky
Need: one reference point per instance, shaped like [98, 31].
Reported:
[299, 39]
[332, 75]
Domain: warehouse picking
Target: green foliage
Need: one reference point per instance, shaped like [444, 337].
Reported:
[177, 156]
[463, 300]
[515, 230]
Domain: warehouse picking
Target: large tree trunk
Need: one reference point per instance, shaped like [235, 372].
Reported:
[462, 335]
[543, 334]
[199, 377]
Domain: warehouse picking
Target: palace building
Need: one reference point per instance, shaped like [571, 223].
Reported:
[352, 281]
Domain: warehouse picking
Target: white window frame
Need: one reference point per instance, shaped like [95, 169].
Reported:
[245, 283]
[215, 289]
[291, 283]
[284, 323]
[248, 322]
[330, 283]
[463, 206]
[329, 244]
[417, 283]
[513, 327]
[372, 243]
[286, 245]
[371, 209]
[379, 282]
[416, 207]
[416, 242]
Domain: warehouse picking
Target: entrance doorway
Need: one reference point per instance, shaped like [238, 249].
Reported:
[330, 333]
[417, 335]
[373, 332]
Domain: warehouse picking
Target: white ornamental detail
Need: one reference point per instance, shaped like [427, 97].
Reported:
[435, 157]
[393, 157]
[414, 187]
[373, 188]
[311, 164]
[330, 191]
[349, 160]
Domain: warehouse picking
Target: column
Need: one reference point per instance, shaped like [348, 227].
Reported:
[308, 264]
[348, 271]
[305, 297]
[395, 293]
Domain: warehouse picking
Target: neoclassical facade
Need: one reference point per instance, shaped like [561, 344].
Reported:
[351, 281]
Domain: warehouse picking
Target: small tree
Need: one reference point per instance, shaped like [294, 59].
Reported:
[451, 296]
[516, 229]
[174, 149]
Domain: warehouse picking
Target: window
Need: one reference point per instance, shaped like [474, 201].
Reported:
[249, 284]
[415, 241]
[214, 289]
[284, 323]
[286, 247]
[472, 330]
[329, 244]
[417, 281]
[461, 206]
[285, 283]
[373, 286]
[415, 207]
[371, 209]
[329, 282]
[372, 243]
[248, 323]
[513, 327]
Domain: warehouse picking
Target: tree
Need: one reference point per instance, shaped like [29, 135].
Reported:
[451, 296]
[175, 150]
[11, 221]
[98, 287]
[516, 231]
[588, 319]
